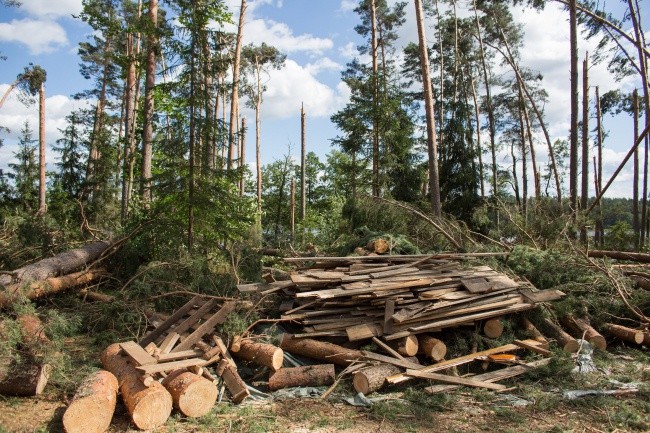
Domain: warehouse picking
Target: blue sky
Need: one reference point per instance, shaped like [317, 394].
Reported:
[319, 39]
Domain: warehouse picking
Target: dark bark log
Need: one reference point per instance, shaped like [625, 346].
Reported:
[621, 255]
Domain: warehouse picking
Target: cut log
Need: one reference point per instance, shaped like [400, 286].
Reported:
[24, 380]
[646, 338]
[581, 327]
[263, 354]
[48, 286]
[379, 246]
[624, 333]
[150, 406]
[432, 347]
[371, 379]
[192, 394]
[564, 340]
[320, 350]
[307, 375]
[236, 386]
[60, 264]
[407, 346]
[533, 333]
[92, 406]
[493, 328]
[621, 255]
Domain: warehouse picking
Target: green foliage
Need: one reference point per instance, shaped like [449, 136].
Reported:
[620, 237]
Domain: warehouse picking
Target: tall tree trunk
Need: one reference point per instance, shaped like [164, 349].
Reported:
[147, 127]
[375, 102]
[210, 126]
[585, 145]
[12, 86]
[192, 155]
[242, 154]
[515, 180]
[479, 149]
[303, 166]
[258, 123]
[234, 96]
[441, 111]
[129, 115]
[524, 158]
[42, 206]
[599, 180]
[635, 183]
[573, 136]
[488, 103]
[293, 210]
[432, 144]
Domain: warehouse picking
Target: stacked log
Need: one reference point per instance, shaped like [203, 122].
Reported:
[307, 375]
[259, 353]
[192, 395]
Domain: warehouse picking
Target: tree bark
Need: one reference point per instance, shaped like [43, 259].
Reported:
[533, 333]
[584, 197]
[582, 327]
[150, 406]
[308, 375]
[620, 255]
[375, 101]
[234, 96]
[320, 350]
[624, 333]
[192, 394]
[564, 340]
[407, 346]
[573, 134]
[432, 142]
[92, 406]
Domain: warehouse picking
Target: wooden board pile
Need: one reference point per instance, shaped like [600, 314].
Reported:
[397, 296]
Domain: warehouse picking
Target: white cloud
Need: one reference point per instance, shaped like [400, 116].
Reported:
[39, 36]
[349, 50]
[51, 8]
[323, 64]
[348, 5]
[295, 84]
[281, 36]
[14, 114]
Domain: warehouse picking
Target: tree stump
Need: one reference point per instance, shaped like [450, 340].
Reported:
[92, 406]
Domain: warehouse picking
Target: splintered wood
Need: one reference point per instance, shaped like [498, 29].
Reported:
[394, 297]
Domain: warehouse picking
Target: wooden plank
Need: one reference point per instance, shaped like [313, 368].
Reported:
[197, 315]
[137, 354]
[533, 348]
[477, 285]
[168, 343]
[455, 380]
[363, 332]
[404, 363]
[175, 317]
[387, 348]
[443, 365]
[207, 327]
[389, 310]
[175, 356]
[335, 293]
[170, 366]
[393, 272]
[494, 376]
[541, 295]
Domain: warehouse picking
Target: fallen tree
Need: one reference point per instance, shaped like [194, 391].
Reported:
[620, 255]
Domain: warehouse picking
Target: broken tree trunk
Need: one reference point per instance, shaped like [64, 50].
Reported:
[263, 354]
[580, 326]
[307, 375]
[193, 395]
[61, 264]
[48, 286]
[624, 333]
[149, 406]
[371, 379]
[432, 347]
[92, 406]
[234, 383]
[319, 350]
[564, 340]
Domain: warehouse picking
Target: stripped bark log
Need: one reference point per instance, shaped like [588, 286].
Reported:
[407, 346]
[432, 347]
[149, 407]
[92, 406]
[192, 394]
[532, 332]
[564, 340]
[582, 327]
[48, 286]
[319, 350]
[307, 375]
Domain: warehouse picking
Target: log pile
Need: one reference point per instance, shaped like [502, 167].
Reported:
[398, 297]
